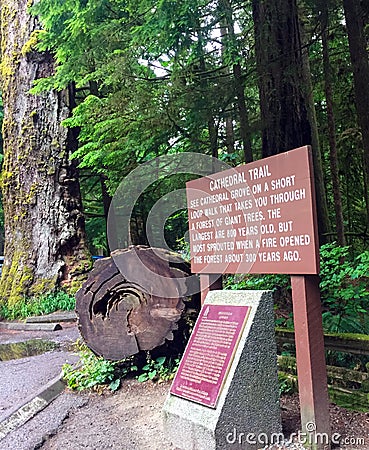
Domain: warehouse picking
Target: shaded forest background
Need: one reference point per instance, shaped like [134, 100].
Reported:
[123, 82]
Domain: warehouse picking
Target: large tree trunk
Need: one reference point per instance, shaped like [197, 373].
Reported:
[229, 129]
[281, 80]
[243, 113]
[284, 98]
[324, 225]
[355, 22]
[44, 226]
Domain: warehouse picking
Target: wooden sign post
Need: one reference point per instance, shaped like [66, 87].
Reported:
[310, 356]
[210, 282]
[261, 218]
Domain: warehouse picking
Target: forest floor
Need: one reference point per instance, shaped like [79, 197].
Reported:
[131, 419]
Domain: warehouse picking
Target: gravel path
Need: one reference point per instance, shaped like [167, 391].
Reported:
[16, 386]
[130, 419]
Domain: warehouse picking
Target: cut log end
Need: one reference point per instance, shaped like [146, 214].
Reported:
[132, 301]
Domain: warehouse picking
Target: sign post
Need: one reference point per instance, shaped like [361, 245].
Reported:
[310, 356]
[261, 218]
[209, 282]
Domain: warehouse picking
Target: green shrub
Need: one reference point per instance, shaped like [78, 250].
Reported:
[344, 286]
[159, 369]
[257, 282]
[94, 371]
[45, 304]
[277, 283]
[287, 384]
[344, 289]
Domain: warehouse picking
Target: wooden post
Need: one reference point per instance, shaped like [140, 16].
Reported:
[209, 282]
[310, 357]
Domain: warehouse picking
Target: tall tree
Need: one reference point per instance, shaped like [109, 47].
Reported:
[283, 87]
[333, 156]
[355, 23]
[233, 49]
[44, 225]
[281, 79]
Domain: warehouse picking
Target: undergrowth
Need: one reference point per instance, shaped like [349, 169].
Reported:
[344, 287]
[45, 304]
[159, 369]
[96, 373]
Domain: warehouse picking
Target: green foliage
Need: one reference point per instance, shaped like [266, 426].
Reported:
[287, 384]
[344, 285]
[257, 282]
[183, 248]
[279, 284]
[94, 371]
[96, 232]
[151, 75]
[159, 369]
[45, 304]
[344, 290]
[287, 375]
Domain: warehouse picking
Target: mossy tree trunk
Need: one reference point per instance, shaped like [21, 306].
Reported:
[45, 243]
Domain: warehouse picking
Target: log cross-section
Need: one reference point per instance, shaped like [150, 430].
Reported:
[122, 310]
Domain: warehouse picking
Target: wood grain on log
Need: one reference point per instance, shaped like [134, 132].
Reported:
[120, 315]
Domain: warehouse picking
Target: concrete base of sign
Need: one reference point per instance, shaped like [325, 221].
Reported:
[247, 415]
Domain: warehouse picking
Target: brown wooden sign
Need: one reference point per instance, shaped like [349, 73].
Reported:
[256, 218]
[209, 353]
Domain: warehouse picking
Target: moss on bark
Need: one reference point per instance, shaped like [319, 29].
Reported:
[45, 243]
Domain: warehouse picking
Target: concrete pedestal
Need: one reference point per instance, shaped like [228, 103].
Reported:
[247, 415]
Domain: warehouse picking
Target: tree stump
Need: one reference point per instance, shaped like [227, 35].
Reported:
[121, 312]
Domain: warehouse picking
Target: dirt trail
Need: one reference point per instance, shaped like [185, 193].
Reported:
[130, 419]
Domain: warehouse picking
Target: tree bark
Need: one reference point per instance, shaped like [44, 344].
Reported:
[239, 84]
[106, 198]
[355, 24]
[243, 114]
[229, 129]
[285, 101]
[45, 243]
[281, 80]
[324, 226]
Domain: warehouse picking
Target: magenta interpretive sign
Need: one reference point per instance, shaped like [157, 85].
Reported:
[209, 353]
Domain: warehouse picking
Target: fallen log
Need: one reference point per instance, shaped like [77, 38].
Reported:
[133, 301]
[64, 316]
[22, 326]
[341, 342]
